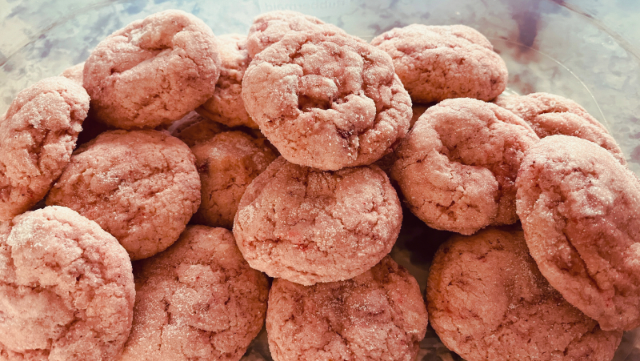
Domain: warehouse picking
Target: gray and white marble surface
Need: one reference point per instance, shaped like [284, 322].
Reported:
[586, 50]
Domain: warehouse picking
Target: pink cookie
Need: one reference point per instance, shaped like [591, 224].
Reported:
[378, 315]
[550, 114]
[195, 128]
[488, 301]
[441, 62]
[66, 289]
[74, 73]
[310, 226]
[141, 186]
[153, 71]
[269, 28]
[227, 163]
[198, 300]
[37, 138]
[580, 210]
[327, 101]
[457, 166]
[226, 106]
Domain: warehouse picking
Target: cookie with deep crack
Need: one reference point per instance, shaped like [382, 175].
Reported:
[550, 114]
[269, 28]
[458, 165]
[66, 289]
[226, 106]
[327, 101]
[153, 71]
[199, 299]
[227, 163]
[580, 210]
[442, 62]
[141, 186]
[307, 225]
[488, 301]
[378, 315]
[37, 137]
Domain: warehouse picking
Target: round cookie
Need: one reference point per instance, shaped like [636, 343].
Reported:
[310, 226]
[141, 186]
[378, 315]
[153, 71]
[66, 289]
[74, 73]
[458, 165]
[198, 300]
[488, 301]
[194, 128]
[227, 163]
[37, 137]
[550, 114]
[226, 105]
[269, 28]
[327, 101]
[442, 62]
[580, 210]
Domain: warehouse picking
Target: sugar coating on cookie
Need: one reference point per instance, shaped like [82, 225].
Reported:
[442, 62]
[195, 128]
[153, 71]
[488, 301]
[37, 137]
[309, 226]
[550, 114]
[580, 210]
[227, 163]
[378, 315]
[269, 28]
[198, 300]
[458, 165]
[74, 73]
[327, 101]
[66, 289]
[141, 186]
[226, 106]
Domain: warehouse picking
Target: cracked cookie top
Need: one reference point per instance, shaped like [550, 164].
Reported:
[198, 300]
[378, 315]
[488, 301]
[226, 105]
[441, 62]
[141, 186]
[580, 210]
[550, 114]
[327, 101]
[309, 226]
[66, 289]
[37, 137]
[227, 163]
[457, 167]
[153, 71]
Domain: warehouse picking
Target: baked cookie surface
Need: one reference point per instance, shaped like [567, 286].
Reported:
[488, 301]
[153, 71]
[378, 315]
[310, 226]
[580, 211]
[458, 165]
[37, 137]
[66, 289]
[226, 106]
[327, 101]
[227, 163]
[442, 62]
[198, 300]
[550, 114]
[141, 186]
[195, 128]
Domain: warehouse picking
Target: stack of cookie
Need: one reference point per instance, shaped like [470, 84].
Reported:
[212, 161]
